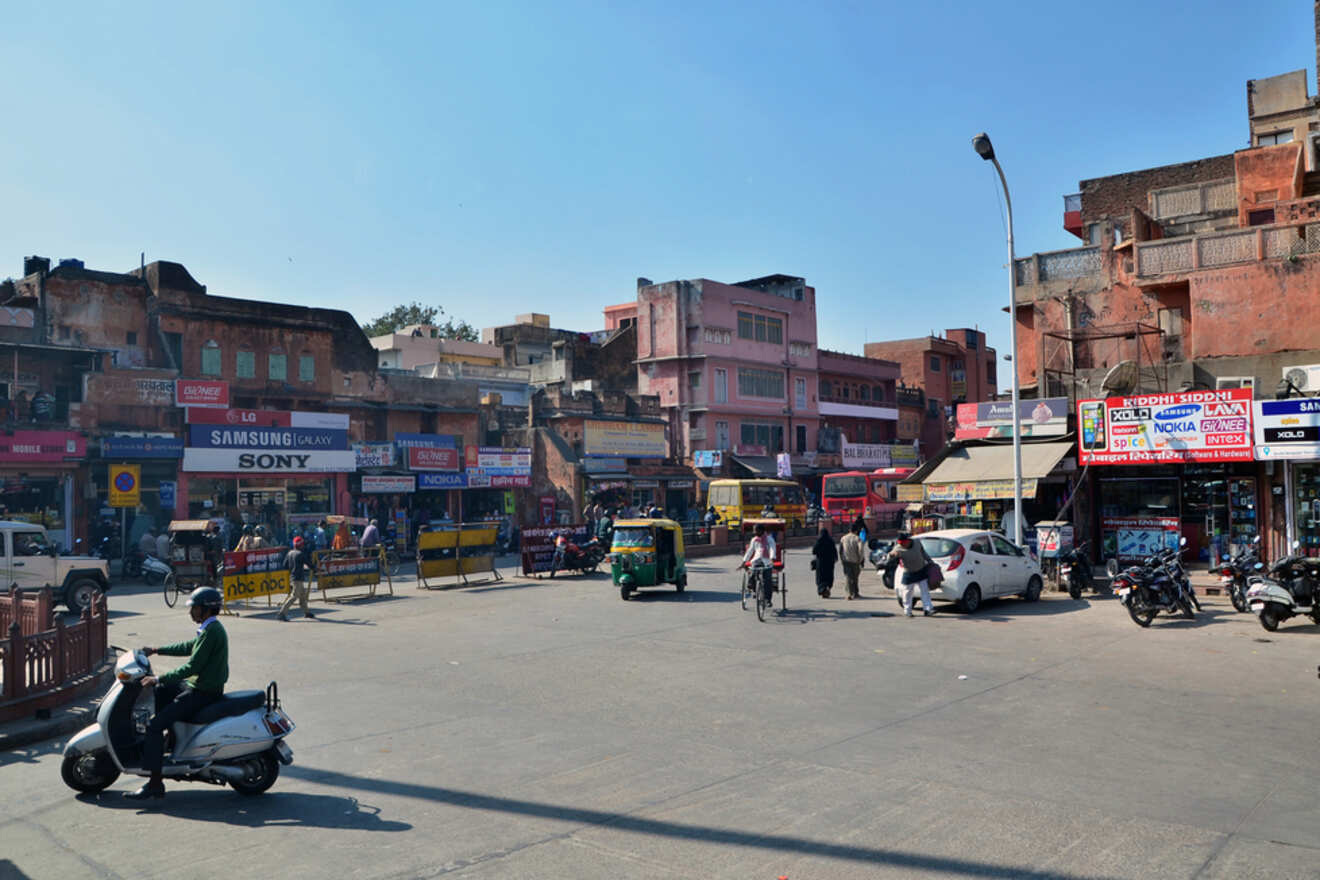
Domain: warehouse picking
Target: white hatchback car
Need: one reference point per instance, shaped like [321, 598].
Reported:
[980, 565]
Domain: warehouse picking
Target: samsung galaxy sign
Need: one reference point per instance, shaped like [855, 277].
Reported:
[216, 437]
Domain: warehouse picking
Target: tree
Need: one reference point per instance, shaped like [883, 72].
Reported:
[416, 313]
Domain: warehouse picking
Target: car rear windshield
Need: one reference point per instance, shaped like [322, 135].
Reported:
[939, 547]
[845, 487]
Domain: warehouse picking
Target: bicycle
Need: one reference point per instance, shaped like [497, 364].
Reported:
[763, 599]
[172, 590]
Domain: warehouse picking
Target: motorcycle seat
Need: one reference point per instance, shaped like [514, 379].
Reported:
[233, 703]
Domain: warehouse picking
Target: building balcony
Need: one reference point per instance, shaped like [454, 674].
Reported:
[1174, 256]
[1194, 199]
[1059, 265]
[1072, 215]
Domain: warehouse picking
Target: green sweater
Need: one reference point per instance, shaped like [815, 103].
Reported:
[207, 668]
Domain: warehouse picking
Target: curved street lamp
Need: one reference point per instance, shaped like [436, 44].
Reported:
[984, 149]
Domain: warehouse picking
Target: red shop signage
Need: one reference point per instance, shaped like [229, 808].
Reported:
[425, 458]
[201, 392]
[252, 418]
[42, 446]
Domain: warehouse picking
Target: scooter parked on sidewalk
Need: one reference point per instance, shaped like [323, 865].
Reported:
[1290, 590]
[237, 740]
[1075, 569]
[1158, 584]
[1237, 569]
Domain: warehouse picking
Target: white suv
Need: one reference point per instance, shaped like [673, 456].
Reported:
[32, 561]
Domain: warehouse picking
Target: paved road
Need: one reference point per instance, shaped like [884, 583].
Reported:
[545, 729]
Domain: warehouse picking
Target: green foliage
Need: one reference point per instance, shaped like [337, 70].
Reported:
[416, 313]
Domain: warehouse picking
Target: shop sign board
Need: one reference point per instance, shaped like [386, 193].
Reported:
[201, 392]
[749, 449]
[626, 439]
[488, 457]
[268, 418]
[979, 490]
[432, 480]
[427, 441]
[252, 573]
[32, 446]
[259, 461]
[508, 481]
[603, 465]
[903, 455]
[125, 485]
[370, 455]
[169, 493]
[141, 447]
[911, 492]
[1136, 538]
[1188, 426]
[867, 456]
[994, 419]
[154, 392]
[384, 484]
[1287, 428]
[429, 458]
[217, 437]
[681, 484]
[708, 458]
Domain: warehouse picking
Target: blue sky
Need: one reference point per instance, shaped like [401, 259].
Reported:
[498, 158]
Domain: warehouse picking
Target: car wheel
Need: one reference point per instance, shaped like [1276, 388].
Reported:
[1033, 589]
[888, 578]
[81, 594]
[971, 599]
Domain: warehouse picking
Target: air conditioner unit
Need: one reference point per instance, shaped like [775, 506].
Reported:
[1304, 377]
[1236, 382]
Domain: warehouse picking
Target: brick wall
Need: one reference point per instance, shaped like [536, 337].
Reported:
[1112, 197]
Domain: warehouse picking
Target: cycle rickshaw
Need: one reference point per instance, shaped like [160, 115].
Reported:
[775, 529]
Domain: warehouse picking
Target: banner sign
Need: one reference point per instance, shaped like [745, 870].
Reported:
[626, 439]
[430, 458]
[201, 392]
[1188, 426]
[1288, 428]
[125, 485]
[169, 492]
[708, 458]
[441, 481]
[427, 441]
[370, 455]
[1135, 538]
[784, 466]
[538, 545]
[260, 461]
[979, 490]
[487, 457]
[252, 573]
[215, 437]
[867, 456]
[603, 465]
[141, 447]
[30, 446]
[347, 571]
[994, 419]
[268, 418]
[373, 484]
[911, 492]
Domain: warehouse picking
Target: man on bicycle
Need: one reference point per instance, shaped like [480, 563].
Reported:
[760, 557]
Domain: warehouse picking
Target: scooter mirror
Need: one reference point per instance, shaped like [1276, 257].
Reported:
[1296, 545]
[1256, 540]
[1182, 542]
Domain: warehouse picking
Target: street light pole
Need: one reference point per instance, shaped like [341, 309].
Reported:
[984, 149]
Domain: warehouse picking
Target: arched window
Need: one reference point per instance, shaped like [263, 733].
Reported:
[211, 358]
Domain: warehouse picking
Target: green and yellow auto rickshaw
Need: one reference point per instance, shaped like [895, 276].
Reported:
[647, 553]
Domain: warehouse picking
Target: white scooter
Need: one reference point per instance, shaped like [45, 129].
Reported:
[155, 571]
[238, 740]
[1287, 591]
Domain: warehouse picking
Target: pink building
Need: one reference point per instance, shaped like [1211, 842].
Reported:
[734, 365]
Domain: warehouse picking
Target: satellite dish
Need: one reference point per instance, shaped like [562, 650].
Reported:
[1122, 379]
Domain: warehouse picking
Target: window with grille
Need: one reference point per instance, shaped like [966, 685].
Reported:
[245, 364]
[279, 367]
[760, 383]
[211, 359]
[307, 368]
[761, 328]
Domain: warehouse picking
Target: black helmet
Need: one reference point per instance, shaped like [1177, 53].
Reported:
[206, 597]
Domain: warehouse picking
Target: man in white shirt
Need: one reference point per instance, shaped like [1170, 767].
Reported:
[760, 557]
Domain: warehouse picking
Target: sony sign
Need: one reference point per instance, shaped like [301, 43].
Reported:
[202, 460]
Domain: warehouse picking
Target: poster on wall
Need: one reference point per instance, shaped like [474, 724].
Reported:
[1195, 426]
[867, 456]
[1287, 428]
[1136, 538]
[994, 419]
[626, 439]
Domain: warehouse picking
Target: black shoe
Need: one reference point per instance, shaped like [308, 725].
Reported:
[930, 613]
[150, 790]
[310, 616]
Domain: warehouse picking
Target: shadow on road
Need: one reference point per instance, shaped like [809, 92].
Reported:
[661, 594]
[287, 809]
[32, 754]
[880, 857]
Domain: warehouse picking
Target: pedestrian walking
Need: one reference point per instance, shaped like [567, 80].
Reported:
[860, 523]
[913, 559]
[296, 563]
[852, 553]
[163, 546]
[824, 555]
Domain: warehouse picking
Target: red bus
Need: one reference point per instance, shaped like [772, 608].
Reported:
[874, 494]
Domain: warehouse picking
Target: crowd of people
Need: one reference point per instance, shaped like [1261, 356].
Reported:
[851, 554]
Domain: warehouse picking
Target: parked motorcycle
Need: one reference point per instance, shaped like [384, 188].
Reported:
[1289, 590]
[237, 740]
[132, 563]
[879, 556]
[582, 559]
[1075, 569]
[1237, 569]
[1158, 584]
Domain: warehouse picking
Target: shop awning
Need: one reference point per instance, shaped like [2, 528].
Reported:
[758, 464]
[986, 472]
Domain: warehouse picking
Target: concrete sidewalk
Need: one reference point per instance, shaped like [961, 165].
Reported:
[64, 720]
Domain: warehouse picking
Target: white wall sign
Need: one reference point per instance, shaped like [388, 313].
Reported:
[198, 460]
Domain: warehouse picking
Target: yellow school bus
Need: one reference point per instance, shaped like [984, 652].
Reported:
[736, 500]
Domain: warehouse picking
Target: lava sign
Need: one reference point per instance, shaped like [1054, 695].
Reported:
[1205, 426]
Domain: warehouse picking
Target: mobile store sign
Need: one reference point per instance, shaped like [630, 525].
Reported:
[268, 418]
[1189, 426]
[262, 461]
[1288, 428]
[427, 458]
[217, 437]
[201, 392]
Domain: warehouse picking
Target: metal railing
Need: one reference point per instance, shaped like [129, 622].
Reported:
[33, 665]
[1214, 196]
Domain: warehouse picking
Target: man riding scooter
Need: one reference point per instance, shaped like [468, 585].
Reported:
[183, 692]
